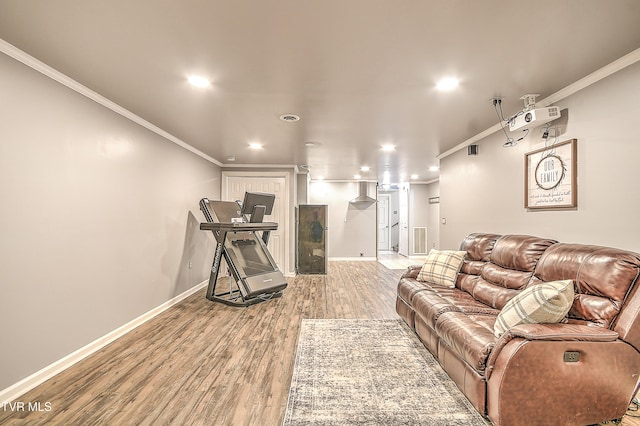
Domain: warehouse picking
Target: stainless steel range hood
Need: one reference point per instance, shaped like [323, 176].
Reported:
[362, 194]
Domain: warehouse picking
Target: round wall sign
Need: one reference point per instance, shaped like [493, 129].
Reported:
[549, 172]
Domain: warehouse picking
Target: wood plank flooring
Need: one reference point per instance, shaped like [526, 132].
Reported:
[204, 363]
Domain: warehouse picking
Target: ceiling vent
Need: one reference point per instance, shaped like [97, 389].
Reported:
[362, 194]
[289, 117]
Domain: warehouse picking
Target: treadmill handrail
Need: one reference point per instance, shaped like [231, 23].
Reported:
[239, 226]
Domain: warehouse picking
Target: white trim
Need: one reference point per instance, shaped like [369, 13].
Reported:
[594, 77]
[342, 180]
[380, 199]
[63, 79]
[351, 259]
[424, 182]
[260, 166]
[20, 388]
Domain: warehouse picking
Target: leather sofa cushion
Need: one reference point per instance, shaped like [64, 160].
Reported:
[479, 246]
[519, 252]
[492, 295]
[510, 269]
[470, 336]
[430, 305]
[602, 277]
[507, 278]
[472, 267]
[409, 287]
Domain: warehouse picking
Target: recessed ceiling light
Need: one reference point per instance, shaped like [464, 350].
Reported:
[414, 176]
[365, 168]
[198, 81]
[289, 117]
[311, 144]
[434, 168]
[357, 176]
[447, 83]
[388, 147]
[255, 145]
[231, 158]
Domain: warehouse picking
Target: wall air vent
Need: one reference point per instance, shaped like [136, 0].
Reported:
[419, 240]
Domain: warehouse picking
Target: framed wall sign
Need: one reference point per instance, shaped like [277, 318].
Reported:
[550, 177]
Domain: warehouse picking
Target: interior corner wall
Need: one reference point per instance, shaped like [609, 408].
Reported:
[352, 227]
[418, 212]
[302, 188]
[99, 220]
[433, 224]
[485, 193]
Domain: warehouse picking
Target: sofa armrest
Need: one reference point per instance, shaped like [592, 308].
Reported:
[412, 271]
[550, 332]
[572, 332]
[554, 374]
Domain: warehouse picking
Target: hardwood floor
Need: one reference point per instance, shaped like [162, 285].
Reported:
[393, 260]
[204, 363]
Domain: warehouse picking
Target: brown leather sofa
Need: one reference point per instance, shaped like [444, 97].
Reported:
[578, 372]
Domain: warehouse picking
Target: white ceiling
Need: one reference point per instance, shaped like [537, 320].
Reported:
[359, 73]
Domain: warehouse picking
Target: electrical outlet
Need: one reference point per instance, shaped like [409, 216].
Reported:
[571, 356]
[190, 264]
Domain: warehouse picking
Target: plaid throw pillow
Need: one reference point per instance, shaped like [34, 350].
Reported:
[442, 267]
[544, 303]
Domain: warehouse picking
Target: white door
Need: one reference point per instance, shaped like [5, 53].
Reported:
[403, 211]
[383, 222]
[236, 186]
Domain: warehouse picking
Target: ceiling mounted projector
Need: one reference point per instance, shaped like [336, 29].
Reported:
[534, 117]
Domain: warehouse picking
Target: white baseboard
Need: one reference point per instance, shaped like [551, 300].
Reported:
[351, 259]
[16, 390]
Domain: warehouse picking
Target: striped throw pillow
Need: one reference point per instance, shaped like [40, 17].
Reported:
[441, 267]
[543, 303]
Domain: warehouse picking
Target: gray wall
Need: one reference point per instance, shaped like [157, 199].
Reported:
[433, 227]
[421, 213]
[99, 220]
[418, 211]
[484, 193]
[352, 227]
[302, 188]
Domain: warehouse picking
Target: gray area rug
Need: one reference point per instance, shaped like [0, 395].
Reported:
[371, 372]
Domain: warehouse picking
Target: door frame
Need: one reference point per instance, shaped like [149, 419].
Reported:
[388, 198]
[286, 203]
[404, 238]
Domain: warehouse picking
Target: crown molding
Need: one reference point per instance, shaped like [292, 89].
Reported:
[594, 77]
[28, 60]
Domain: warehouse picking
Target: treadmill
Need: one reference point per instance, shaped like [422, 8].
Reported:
[241, 239]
